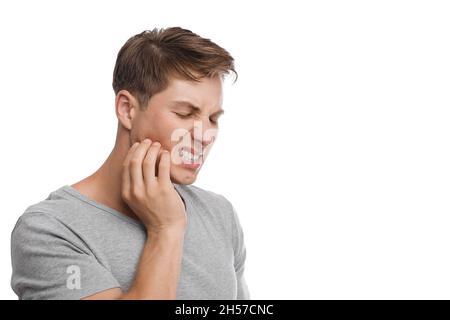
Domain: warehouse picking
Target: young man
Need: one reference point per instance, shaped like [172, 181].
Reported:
[137, 228]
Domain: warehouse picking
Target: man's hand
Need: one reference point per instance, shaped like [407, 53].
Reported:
[148, 190]
[153, 198]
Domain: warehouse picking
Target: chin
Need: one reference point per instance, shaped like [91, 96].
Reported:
[183, 176]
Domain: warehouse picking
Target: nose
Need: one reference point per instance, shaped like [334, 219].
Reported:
[208, 141]
[203, 134]
[203, 141]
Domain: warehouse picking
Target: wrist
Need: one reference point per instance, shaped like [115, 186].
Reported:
[167, 231]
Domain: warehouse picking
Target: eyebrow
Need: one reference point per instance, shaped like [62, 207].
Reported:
[194, 108]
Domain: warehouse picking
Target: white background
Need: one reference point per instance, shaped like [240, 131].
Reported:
[334, 148]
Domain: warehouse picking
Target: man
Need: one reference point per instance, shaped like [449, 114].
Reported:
[137, 228]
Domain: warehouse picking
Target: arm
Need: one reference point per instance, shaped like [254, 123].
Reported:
[157, 204]
[158, 271]
[240, 255]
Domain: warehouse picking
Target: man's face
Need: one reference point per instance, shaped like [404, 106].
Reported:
[184, 119]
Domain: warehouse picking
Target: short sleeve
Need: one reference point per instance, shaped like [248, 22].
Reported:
[50, 262]
[240, 254]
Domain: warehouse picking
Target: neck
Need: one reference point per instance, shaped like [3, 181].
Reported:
[105, 185]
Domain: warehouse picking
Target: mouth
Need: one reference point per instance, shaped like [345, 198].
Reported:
[190, 157]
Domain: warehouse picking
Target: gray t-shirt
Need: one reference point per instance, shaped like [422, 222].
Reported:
[69, 246]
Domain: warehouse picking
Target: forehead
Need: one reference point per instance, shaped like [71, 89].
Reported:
[206, 92]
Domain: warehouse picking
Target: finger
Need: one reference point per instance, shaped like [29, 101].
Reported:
[158, 159]
[148, 166]
[136, 177]
[130, 153]
[164, 168]
[125, 170]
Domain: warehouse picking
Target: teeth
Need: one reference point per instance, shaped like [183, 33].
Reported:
[187, 156]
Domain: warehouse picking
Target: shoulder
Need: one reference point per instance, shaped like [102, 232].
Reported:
[224, 211]
[35, 228]
[44, 223]
[38, 218]
[56, 206]
[212, 202]
[204, 196]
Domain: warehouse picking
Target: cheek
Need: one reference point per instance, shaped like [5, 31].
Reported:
[169, 131]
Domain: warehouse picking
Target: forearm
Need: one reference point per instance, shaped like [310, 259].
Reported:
[159, 267]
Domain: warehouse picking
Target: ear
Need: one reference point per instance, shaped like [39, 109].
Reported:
[126, 106]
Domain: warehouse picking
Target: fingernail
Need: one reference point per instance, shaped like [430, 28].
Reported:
[147, 140]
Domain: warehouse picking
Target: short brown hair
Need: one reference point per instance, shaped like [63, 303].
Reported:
[146, 61]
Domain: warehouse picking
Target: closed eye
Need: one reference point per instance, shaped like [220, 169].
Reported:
[183, 116]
